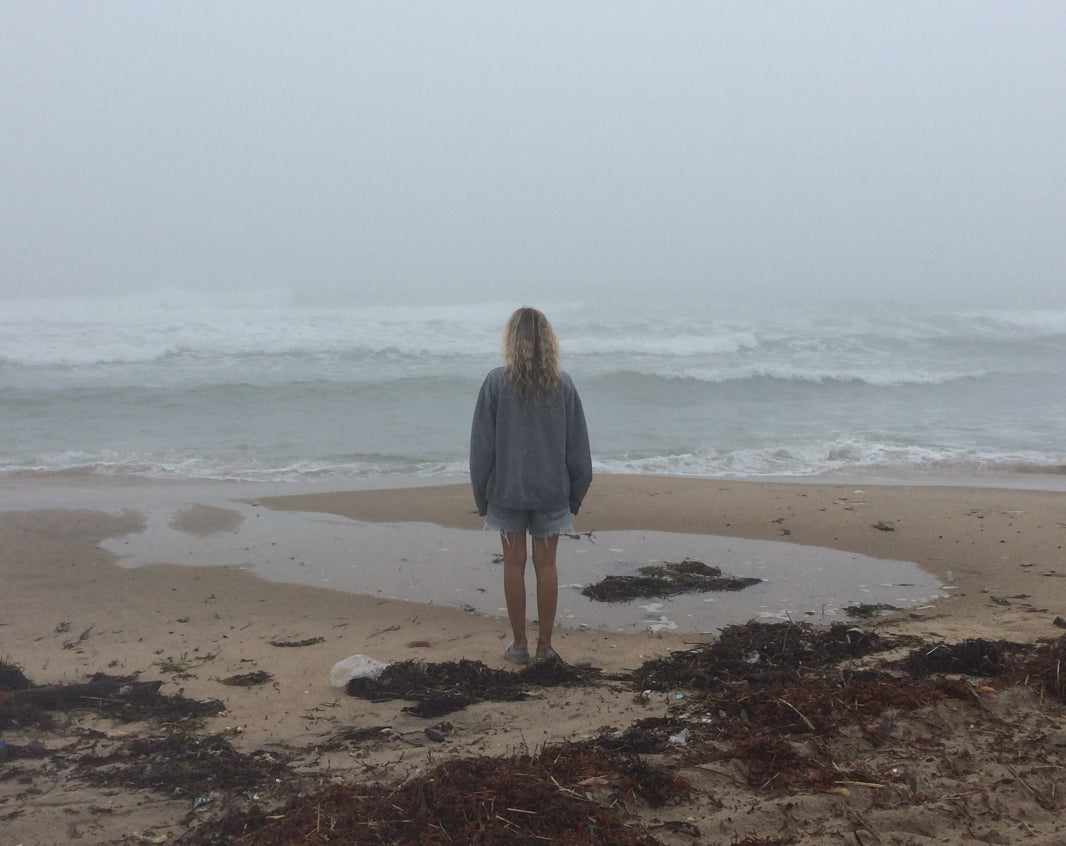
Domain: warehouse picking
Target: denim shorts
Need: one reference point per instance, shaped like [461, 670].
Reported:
[539, 524]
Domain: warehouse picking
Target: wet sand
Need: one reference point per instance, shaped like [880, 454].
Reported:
[462, 568]
[131, 578]
[998, 553]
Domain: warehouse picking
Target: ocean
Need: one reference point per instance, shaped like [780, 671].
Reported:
[271, 387]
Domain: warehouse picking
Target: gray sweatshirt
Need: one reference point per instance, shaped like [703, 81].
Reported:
[530, 456]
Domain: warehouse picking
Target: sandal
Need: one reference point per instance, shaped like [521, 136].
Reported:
[546, 653]
[516, 656]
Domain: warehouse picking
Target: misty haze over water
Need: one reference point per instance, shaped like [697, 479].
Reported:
[503, 152]
[280, 242]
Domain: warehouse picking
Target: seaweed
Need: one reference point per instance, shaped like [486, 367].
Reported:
[486, 800]
[440, 689]
[765, 702]
[669, 579]
[252, 679]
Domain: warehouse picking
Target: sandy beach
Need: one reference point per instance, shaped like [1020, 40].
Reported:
[71, 607]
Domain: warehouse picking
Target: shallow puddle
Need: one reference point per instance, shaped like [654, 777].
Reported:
[422, 562]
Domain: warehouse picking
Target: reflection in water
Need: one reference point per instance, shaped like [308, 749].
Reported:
[422, 562]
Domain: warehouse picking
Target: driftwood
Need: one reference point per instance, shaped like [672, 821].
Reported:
[63, 695]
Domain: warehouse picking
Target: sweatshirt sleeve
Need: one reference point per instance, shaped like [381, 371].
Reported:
[578, 453]
[483, 446]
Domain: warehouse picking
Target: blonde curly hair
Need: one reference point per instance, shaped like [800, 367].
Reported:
[531, 354]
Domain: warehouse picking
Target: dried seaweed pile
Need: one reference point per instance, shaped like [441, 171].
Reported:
[440, 689]
[770, 696]
[753, 652]
[179, 764]
[1040, 668]
[765, 700]
[12, 678]
[122, 698]
[669, 579]
[781, 709]
[520, 799]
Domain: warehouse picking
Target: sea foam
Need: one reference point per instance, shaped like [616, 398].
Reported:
[265, 385]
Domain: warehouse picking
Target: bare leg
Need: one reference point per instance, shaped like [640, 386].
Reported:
[514, 583]
[547, 587]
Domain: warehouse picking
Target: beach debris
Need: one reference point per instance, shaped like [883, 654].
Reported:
[681, 738]
[972, 657]
[119, 697]
[882, 526]
[307, 641]
[559, 795]
[439, 689]
[757, 652]
[434, 734]
[56, 696]
[802, 720]
[12, 677]
[80, 639]
[437, 705]
[252, 679]
[180, 765]
[867, 610]
[353, 736]
[667, 579]
[28, 751]
[183, 666]
[355, 667]
[1060, 622]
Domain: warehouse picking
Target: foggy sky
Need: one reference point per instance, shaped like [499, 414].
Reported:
[493, 150]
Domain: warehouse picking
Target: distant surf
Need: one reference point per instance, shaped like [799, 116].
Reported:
[181, 385]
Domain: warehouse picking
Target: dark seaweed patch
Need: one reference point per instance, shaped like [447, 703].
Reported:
[252, 679]
[440, 689]
[669, 579]
[767, 701]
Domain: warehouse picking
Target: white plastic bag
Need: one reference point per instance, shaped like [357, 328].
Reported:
[681, 738]
[355, 667]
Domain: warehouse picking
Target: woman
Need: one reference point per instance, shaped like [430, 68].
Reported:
[530, 467]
